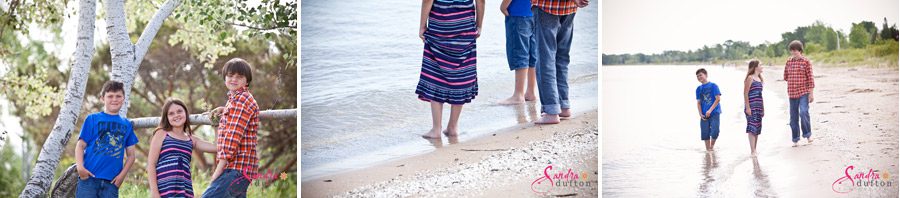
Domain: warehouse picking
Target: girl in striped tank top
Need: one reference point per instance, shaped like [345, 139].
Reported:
[169, 158]
[753, 103]
[449, 29]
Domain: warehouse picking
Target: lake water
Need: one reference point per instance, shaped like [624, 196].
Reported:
[651, 142]
[361, 62]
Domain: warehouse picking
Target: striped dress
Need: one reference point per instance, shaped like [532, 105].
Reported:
[448, 62]
[754, 120]
[173, 169]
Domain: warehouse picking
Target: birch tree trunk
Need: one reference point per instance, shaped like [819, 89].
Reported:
[126, 56]
[42, 173]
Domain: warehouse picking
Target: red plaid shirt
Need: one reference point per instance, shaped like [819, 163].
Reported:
[556, 7]
[799, 77]
[236, 134]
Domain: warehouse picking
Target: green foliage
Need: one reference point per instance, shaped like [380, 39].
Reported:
[137, 186]
[11, 181]
[31, 92]
[821, 42]
[183, 62]
[859, 36]
[222, 22]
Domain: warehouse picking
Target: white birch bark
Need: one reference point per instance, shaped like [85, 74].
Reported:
[48, 159]
[203, 119]
[126, 56]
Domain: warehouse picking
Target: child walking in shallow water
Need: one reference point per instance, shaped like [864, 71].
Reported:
[708, 97]
[753, 103]
[449, 29]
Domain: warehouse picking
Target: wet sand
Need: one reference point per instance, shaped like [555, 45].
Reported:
[854, 123]
[504, 163]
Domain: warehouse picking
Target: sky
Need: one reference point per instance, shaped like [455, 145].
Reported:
[653, 26]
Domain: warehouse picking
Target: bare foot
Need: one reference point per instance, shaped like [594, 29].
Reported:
[530, 97]
[451, 133]
[548, 119]
[565, 114]
[512, 100]
[432, 134]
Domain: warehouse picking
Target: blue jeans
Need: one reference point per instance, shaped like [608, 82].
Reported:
[554, 38]
[800, 110]
[520, 43]
[709, 128]
[231, 183]
[96, 187]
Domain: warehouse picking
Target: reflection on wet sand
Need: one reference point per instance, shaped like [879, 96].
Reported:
[439, 142]
[761, 179]
[709, 164]
[522, 116]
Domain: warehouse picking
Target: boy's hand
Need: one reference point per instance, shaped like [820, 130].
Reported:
[118, 180]
[702, 117]
[708, 112]
[582, 3]
[83, 173]
[218, 111]
[810, 98]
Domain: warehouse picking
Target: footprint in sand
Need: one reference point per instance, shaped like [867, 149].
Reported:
[866, 90]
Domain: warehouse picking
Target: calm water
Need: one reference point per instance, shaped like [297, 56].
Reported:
[651, 142]
[361, 62]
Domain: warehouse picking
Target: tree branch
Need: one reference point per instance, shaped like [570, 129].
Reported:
[258, 27]
[203, 119]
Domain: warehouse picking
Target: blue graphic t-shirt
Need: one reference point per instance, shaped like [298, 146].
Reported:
[706, 94]
[106, 136]
[519, 8]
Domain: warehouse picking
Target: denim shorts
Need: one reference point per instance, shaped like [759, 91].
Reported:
[96, 187]
[521, 51]
[709, 128]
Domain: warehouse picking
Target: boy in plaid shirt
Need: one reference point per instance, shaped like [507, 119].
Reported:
[799, 77]
[236, 134]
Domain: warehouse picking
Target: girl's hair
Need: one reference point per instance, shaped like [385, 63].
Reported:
[752, 69]
[164, 120]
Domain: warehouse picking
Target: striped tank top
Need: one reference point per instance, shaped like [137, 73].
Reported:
[173, 169]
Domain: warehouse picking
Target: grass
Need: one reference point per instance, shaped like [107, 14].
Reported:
[280, 188]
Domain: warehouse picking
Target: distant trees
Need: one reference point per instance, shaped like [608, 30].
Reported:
[816, 37]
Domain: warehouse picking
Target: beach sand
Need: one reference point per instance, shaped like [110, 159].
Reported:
[854, 119]
[502, 164]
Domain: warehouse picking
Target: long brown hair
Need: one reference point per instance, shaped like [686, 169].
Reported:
[164, 120]
[753, 65]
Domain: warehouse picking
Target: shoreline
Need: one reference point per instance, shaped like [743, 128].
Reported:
[854, 119]
[504, 163]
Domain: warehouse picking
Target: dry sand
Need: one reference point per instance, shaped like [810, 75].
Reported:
[855, 122]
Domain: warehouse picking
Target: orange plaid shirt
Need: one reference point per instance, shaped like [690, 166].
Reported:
[556, 7]
[799, 77]
[236, 135]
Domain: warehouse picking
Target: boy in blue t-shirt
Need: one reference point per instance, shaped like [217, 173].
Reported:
[105, 139]
[521, 50]
[708, 105]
